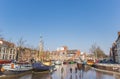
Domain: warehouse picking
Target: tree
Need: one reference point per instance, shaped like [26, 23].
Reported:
[1, 37]
[20, 50]
[21, 43]
[97, 51]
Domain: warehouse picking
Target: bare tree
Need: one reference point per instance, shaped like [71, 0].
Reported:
[20, 44]
[1, 37]
[97, 51]
[93, 48]
[30, 46]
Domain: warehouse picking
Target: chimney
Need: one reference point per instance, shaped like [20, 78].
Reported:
[118, 33]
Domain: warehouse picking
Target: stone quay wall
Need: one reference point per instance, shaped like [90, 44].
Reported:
[108, 67]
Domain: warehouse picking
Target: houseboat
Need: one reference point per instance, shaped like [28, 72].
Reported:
[14, 68]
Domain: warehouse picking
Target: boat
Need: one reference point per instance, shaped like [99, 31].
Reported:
[71, 62]
[40, 67]
[47, 63]
[3, 62]
[58, 62]
[80, 65]
[90, 62]
[42, 63]
[65, 62]
[13, 68]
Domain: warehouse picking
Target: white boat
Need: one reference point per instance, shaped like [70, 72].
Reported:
[16, 68]
[58, 62]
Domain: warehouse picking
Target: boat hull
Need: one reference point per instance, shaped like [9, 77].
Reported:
[90, 62]
[14, 68]
[39, 67]
[80, 65]
[9, 72]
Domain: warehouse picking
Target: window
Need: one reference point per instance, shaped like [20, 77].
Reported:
[10, 51]
[10, 57]
[3, 50]
[0, 49]
[13, 56]
[13, 51]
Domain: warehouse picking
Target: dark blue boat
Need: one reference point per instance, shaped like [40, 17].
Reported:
[39, 67]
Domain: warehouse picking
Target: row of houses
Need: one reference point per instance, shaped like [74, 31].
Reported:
[63, 53]
[9, 51]
[115, 50]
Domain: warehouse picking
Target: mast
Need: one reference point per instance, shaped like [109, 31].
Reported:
[41, 44]
[41, 49]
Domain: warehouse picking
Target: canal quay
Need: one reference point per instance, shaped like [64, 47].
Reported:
[86, 73]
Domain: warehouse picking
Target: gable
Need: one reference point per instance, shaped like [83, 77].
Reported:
[118, 39]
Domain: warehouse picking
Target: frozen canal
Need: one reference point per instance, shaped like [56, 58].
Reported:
[87, 73]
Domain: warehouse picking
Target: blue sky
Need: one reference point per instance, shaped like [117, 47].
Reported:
[75, 23]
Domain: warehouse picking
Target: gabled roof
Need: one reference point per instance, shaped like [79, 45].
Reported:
[6, 43]
[71, 51]
[118, 36]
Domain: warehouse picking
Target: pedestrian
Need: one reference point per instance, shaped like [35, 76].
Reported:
[75, 69]
[62, 70]
[71, 76]
[71, 70]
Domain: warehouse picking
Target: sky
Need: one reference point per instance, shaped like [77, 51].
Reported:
[77, 24]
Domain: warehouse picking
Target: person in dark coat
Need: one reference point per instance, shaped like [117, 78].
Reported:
[71, 70]
[62, 70]
[75, 69]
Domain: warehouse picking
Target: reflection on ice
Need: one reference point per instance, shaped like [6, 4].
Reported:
[63, 72]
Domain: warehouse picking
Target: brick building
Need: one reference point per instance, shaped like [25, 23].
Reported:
[115, 50]
[118, 47]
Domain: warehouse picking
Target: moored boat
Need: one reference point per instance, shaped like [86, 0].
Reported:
[40, 67]
[90, 62]
[65, 62]
[47, 63]
[58, 62]
[80, 65]
[13, 68]
[72, 62]
[4, 62]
